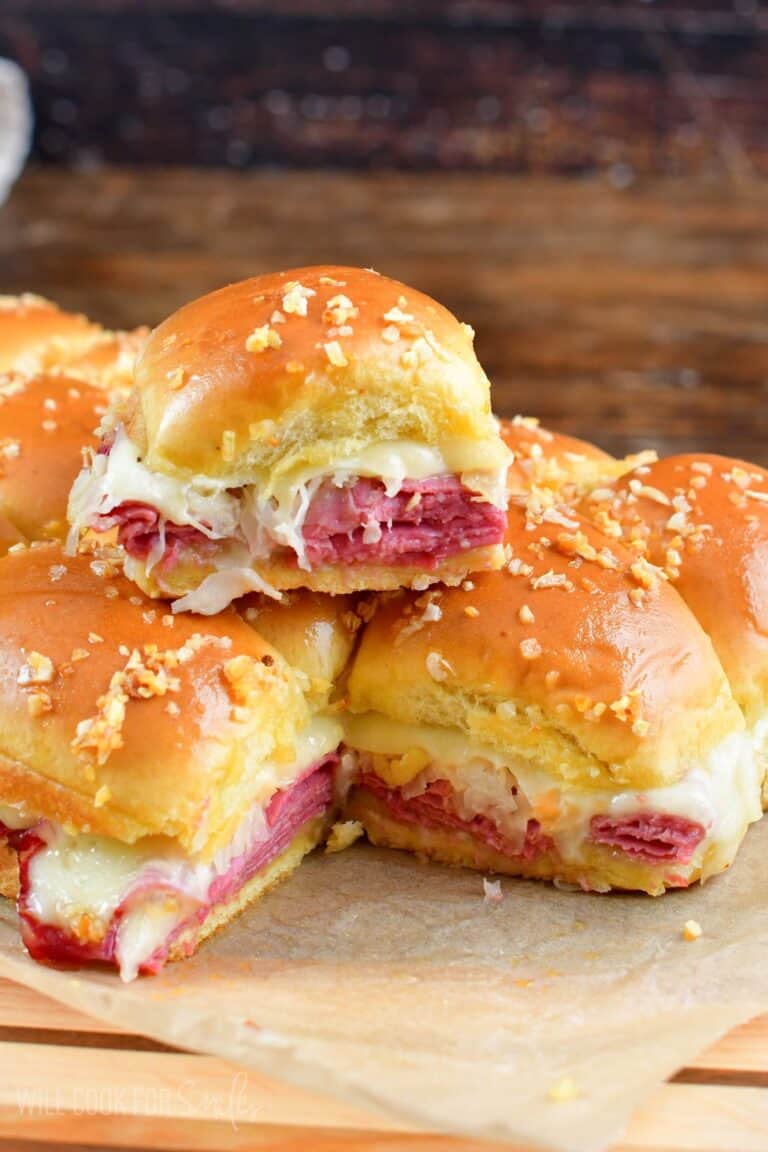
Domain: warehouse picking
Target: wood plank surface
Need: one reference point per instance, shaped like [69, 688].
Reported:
[559, 86]
[80, 1082]
[631, 318]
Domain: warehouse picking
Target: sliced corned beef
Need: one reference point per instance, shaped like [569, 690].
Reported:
[654, 837]
[138, 529]
[425, 523]
[357, 523]
[434, 808]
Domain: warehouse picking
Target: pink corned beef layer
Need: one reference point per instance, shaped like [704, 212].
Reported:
[424, 524]
[433, 808]
[287, 812]
[653, 837]
[138, 528]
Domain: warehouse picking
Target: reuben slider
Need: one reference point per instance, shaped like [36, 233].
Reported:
[324, 427]
[565, 718]
[704, 520]
[156, 773]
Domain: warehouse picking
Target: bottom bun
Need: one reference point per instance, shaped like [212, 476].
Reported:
[9, 873]
[200, 588]
[599, 869]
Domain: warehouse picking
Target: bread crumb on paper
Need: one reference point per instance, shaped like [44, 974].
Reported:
[692, 930]
[343, 834]
[492, 893]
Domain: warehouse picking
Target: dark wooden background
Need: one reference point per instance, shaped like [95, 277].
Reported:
[581, 181]
[541, 86]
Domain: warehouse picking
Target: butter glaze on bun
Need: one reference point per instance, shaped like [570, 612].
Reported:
[579, 677]
[45, 422]
[322, 427]
[703, 519]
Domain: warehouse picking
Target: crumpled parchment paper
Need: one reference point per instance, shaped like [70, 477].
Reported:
[394, 985]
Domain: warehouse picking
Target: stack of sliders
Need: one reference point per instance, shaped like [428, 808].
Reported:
[311, 583]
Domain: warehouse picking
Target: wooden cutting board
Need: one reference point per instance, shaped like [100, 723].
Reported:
[67, 1081]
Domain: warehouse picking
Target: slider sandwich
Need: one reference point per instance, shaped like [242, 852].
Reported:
[325, 428]
[565, 719]
[157, 773]
[558, 467]
[704, 521]
[45, 421]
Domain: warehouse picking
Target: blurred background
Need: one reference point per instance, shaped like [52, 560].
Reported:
[584, 182]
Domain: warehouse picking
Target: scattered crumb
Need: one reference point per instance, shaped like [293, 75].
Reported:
[37, 670]
[339, 310]
[438, 667]
[176, 378]
[262, 338]
[530, 649]
[39, 703]
[692, 930]
[344, 833]
[492, 893]
[295, 298]
[335, 354]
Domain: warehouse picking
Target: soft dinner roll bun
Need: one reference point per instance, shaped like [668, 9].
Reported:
[564, 718]
[324, 427]
[143, 745]
[704, 520]
[37, 336]
[315, 633]
[45, 421]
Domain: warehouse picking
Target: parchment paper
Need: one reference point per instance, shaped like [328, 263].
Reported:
[391, 983]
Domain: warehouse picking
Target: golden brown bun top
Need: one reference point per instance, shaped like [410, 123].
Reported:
[704, 520]
[576, 656]
[37, 336]
[315, 632]
[284, 360]
[45, 421]
[118, 718]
